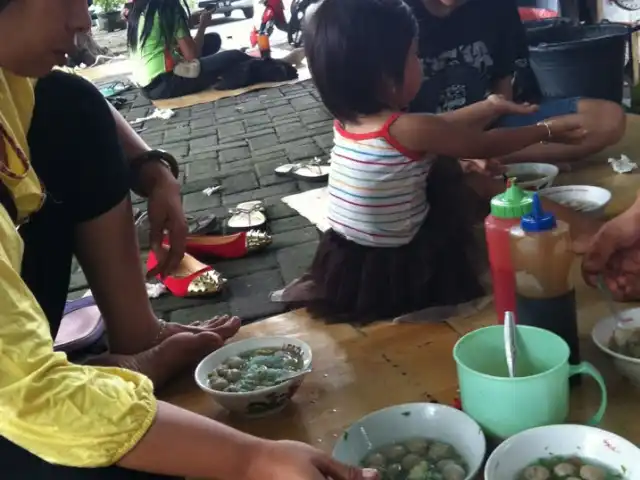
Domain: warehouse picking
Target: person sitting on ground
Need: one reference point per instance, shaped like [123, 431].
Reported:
[63, 170]
[401, 236]
[469, 48]
[169, 62]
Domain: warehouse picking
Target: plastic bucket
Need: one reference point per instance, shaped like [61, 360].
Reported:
[579, 60]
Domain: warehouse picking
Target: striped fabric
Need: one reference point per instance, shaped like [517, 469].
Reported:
[377, 188]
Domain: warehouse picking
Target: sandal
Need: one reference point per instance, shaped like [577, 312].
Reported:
[246, 216]
[316, 170]
[228, 246]
[81, 326]
[192, 278]
[113, 89]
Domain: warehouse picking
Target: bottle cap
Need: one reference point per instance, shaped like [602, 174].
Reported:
[538, 220]
[512, 203]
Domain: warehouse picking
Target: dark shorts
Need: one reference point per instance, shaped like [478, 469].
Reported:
[547, 109]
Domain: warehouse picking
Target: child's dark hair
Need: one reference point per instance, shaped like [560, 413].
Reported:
[355, 48]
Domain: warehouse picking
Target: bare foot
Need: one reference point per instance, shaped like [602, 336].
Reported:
[170, 357]
[225, 326]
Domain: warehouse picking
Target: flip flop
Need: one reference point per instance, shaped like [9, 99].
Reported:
[246, 216]
[315, 170]
[81, 327]
[114, 88]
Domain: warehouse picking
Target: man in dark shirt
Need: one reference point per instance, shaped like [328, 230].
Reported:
[470, 48]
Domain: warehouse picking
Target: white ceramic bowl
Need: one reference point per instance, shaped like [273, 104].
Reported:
[601, 335]
[591, 443]
[412, 420]
[572, 195]
[545, 172]
[260, 402]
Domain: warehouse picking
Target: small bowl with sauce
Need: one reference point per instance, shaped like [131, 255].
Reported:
[581, 198]
[533, 176]
[245, 376]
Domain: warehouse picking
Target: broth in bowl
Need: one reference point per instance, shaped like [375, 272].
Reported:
[255, 369]
[417, 459]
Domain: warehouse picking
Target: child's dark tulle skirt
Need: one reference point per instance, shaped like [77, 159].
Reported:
[438, 268]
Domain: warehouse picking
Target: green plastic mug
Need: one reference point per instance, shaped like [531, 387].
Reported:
[537, 396]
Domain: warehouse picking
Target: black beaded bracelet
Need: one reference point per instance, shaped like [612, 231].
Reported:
[136, 164]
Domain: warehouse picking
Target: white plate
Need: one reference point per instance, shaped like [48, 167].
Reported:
[572, 195]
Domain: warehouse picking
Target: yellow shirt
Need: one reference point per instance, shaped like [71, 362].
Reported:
[64, 413]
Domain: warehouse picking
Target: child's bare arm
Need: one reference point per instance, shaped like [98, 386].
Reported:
[433, 134]
[482, 114]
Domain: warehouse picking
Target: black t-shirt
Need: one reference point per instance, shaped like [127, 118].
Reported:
[464, 53]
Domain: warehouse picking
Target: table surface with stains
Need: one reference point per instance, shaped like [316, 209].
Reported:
[357, 370]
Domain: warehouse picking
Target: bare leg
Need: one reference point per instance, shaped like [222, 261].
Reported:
[605, 123]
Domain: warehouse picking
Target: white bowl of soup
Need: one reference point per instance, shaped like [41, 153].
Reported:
[626, 358]
[533, 176]
[415, 441]
[245, 377]
[586, 199]
[570, 452]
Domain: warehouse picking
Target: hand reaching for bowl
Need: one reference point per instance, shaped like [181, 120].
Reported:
[490, 168]
[299, 461]
[614, 253]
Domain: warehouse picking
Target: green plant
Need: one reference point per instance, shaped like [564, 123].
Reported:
[109, 5]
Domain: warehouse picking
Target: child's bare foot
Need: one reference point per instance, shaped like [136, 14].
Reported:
[225, 326]
[170, 357]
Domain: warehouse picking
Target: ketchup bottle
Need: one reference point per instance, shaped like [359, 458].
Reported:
[506, 210]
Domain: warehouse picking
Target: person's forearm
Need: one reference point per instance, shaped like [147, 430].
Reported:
[184, 444]
[504, 87]
[199, 39]
[479, 115]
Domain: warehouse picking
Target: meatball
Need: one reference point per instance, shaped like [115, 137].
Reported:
[218, 383]
[591, 472]
[453, 471]
[438, 451]
[375, 460]
[417, 445]
[564, 470]
[395, 452]
[235, 362]
[394, 471]
[536, 472]
[233, 375]
[410, 461]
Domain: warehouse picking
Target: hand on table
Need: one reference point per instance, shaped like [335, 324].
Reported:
[299, 461]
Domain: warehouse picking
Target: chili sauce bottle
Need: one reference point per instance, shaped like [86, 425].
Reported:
[506, 210]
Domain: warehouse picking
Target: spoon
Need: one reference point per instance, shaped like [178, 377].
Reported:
[624, 328]
[510, 342]
[292, 375]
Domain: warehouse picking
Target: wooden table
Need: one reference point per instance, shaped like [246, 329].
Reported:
[359, 370]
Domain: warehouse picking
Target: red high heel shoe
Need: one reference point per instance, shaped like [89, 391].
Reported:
[191, 279]
[227, 246]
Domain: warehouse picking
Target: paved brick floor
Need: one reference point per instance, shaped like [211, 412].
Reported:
[237, 143]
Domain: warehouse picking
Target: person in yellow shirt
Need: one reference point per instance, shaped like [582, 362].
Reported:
[64, 183]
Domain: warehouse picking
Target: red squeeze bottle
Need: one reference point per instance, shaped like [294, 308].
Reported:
[506, 211]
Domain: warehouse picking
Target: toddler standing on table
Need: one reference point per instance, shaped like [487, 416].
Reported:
[401, 221]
